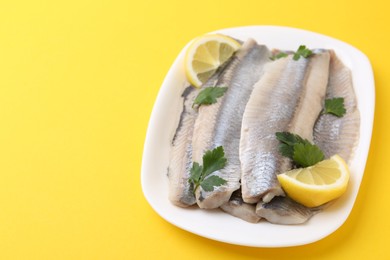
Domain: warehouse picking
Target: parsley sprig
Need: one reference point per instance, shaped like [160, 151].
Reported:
[335, 106]
[213, 160]
[279, 56]
[301, 151]
[209, 95]
[302, 52]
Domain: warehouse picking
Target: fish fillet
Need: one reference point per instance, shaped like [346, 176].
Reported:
[181, 192]
[332, 134]
[288, 97]
[238, 208]
[283, 210]
[219, 124]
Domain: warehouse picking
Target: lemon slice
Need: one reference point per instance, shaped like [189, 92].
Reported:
[318, 184]
[206, 54]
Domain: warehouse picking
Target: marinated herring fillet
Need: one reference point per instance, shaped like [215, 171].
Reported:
[219, 124]
[339, 135]
[287, 98]
[181, 192]
[238, 208]
[283, 210]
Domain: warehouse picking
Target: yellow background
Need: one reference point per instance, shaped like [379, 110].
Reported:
[78, 80]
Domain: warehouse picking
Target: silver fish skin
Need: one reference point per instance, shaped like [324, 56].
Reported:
[219, 124]
[181, 192]
[283, 210]
[238, 208]
[287, 98]
[332, 134]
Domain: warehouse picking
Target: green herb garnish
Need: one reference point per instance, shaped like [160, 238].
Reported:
[335, 106]
[213, 160]
[302, 52]
[279, 56]
[300, 150]
[288, 140]
[307, 154]
[209, 95]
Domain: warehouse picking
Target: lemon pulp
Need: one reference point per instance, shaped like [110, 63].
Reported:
[318, 184]
[206, 54]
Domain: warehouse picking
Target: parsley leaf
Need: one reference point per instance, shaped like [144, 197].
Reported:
[196, 172]
[211, 182]
[286, 150]
[279, 56]
[335, 106]
[307, 154]
[209, 95]
[300, 150]
[302, 52]
[288, 140]
[213, 160]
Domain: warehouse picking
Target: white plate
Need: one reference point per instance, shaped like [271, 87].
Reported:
[221, 226]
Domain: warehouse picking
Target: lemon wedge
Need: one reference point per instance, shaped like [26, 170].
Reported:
[318, 184]
[205, 55]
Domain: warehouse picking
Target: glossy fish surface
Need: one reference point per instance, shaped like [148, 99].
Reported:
[283, 210]
[287, 98]
[181, 192]
[238, 208]
[219, 124]
[339, 135]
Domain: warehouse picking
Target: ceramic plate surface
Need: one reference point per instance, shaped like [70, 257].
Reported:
[220, 226]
